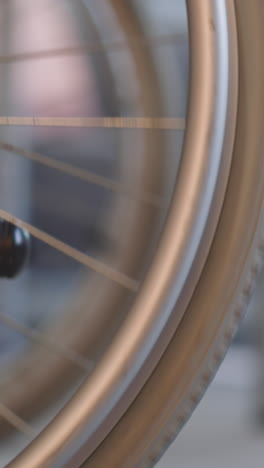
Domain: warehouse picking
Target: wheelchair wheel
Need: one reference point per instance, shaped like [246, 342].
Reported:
[148, 270]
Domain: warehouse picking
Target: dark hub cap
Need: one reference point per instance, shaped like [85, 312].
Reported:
[14, 249]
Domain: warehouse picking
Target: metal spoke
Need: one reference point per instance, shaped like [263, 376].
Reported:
[154, 41]
[17, 422]
[84, 175]
[145, 123]
[50, 344]
[82, 258]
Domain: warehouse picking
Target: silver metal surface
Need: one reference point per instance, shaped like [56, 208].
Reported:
[209, 107]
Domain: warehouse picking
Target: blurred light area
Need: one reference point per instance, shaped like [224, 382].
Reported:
[56, 85]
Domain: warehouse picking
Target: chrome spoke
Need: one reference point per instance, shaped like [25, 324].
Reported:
[49, 343]
[80, 257]
[144, 123]
[17, 422]
[84, 175]
[155, 41]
